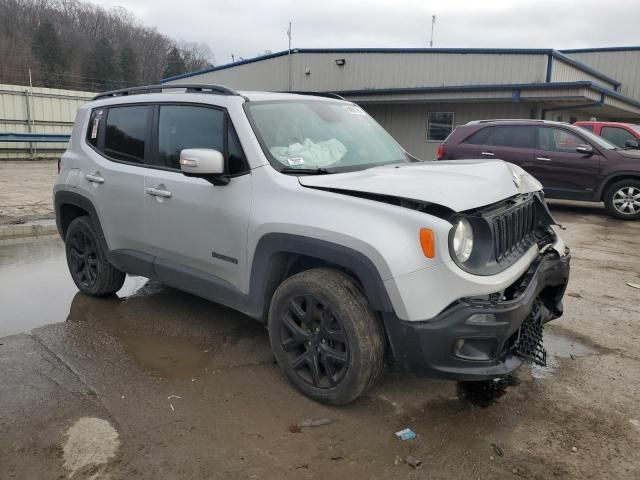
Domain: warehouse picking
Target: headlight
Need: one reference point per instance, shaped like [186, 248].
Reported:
[463, 240]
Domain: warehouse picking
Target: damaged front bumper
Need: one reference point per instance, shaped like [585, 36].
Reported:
[485, 337]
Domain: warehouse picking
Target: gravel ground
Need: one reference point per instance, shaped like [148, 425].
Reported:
[26, 190]
[154, 383]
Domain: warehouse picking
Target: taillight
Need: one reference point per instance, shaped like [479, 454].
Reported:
[59, 165]
[440, 152]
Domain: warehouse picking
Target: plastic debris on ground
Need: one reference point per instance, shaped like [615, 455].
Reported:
[406, 434]
[315, 423]
[413, 461]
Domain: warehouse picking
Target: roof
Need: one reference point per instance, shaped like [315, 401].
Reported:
[461, 51]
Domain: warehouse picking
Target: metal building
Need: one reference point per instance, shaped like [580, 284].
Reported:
[43, 115]
[419, 95]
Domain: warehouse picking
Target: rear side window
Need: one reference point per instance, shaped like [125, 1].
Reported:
[508, 136]
[95, 126]
[125, 133]
[616, 135]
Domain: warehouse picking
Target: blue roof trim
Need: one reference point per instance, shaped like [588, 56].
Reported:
[457, 88]
[33, 137]
[601, 49]
[499, 86]
[585, 68]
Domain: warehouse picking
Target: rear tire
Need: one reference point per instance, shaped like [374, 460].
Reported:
[325, 336]
[90, 269]
[622, 199]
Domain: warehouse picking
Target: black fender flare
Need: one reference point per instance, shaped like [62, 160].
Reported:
[264, 266]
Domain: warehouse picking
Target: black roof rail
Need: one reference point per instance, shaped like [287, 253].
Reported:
[188, 87]
[319, 94]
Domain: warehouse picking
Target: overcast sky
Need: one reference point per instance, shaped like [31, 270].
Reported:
[247, 28]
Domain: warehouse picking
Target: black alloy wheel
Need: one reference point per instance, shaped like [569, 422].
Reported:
[83, 258]
[315, 342]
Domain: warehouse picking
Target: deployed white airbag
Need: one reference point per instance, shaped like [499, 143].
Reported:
[309, 154]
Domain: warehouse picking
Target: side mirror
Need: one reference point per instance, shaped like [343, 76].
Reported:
[632, 144]
[203, 162]
[585, 149]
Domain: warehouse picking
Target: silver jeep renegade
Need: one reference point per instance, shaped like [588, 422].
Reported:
[302, 212]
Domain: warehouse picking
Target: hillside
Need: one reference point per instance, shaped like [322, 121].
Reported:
[80, 46]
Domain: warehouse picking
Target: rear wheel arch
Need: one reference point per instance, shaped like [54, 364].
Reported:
[69, 206]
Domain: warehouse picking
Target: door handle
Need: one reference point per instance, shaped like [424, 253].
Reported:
[158, 192]
[543, 159]
[488, 154]
[94, 177]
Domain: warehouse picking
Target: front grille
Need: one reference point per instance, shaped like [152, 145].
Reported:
[512, 228]
[529, 344]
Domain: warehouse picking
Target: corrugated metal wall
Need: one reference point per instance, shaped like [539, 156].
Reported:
[624, 66]
[563, 72]
[318, 71]
[50, 111]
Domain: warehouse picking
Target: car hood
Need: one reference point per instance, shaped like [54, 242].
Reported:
[458, 184]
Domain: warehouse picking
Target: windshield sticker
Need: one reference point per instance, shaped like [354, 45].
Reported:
[295, 161]
[354, 110]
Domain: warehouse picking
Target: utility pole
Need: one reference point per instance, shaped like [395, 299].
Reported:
[433, 23]
[289, 58]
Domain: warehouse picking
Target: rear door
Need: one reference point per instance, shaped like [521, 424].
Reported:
[113, 175]
[562, 171]
[193, 226]
[513, 144]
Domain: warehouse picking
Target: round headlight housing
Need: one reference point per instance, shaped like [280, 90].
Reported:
[463, 240]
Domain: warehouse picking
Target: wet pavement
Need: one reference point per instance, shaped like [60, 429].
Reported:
[155, 383]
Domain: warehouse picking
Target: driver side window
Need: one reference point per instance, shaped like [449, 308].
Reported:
[554, 139]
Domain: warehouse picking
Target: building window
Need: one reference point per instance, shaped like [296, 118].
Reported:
[439, 126]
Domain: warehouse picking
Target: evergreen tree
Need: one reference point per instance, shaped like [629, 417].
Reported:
[128, 66]
[175, 64]
[102, 66]
[48, 50]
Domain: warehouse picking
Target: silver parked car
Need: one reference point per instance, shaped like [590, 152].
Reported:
[302, 212]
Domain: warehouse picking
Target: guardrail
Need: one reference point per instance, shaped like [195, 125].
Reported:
[34, 137]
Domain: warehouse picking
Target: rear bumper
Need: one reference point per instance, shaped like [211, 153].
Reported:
[474, 338]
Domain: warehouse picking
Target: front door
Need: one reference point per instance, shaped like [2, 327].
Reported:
[193, 226]
[563, 172]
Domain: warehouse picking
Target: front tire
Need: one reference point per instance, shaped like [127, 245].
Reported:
[622, 200]
[325, 336]
[89, 267]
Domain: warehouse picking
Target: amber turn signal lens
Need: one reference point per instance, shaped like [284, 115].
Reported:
[428, 242]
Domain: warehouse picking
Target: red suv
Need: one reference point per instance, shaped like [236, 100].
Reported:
[622, 135]
[570, 162]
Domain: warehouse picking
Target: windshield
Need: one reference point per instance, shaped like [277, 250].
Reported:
[593, 138]
[303, 134]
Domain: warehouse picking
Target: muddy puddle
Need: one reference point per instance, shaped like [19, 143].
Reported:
[35, 286]
[559, 347]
